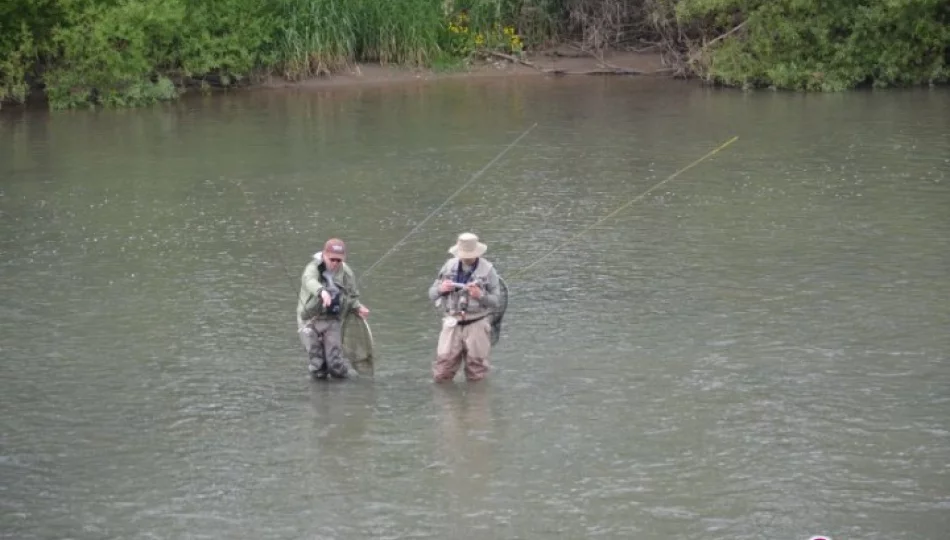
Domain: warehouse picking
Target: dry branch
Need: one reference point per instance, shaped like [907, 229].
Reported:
[693, 57]
[607, 69]
[523, 62]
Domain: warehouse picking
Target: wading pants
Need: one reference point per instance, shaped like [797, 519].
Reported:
[322, 339]
[469, 344]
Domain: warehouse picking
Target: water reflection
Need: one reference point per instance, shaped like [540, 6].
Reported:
[343, 410]
[465, 435]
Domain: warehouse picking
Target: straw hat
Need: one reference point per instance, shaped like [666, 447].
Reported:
[468, 247]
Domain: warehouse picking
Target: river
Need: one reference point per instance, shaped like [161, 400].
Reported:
[756, 347]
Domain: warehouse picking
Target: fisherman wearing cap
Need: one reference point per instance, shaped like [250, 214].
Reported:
[467, 292]
[327, 293]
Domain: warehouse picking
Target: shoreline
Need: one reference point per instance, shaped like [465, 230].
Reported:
[562, 61]
[557, 62]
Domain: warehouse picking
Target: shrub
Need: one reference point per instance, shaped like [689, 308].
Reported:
[828, 46]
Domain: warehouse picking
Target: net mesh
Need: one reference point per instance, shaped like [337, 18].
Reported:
[358, 345]
[499, 313]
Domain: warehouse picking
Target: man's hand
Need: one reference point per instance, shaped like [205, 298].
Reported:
[446, 286]
[474, 290]
[326, 298]
[363, 311]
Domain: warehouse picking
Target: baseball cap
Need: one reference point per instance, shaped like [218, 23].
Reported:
[334, 246]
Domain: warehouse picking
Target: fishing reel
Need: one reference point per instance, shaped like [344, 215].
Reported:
[335, 306]
[335, 295]
[463, 301]
[464, 297]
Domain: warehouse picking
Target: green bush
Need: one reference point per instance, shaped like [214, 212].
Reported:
[107, 53]
[25, 29]
[131, 52]
[230, 39]
[827, 46]
[17, 55]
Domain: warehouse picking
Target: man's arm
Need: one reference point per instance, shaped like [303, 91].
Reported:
[311, 279]
[490, 290]
[434, 293]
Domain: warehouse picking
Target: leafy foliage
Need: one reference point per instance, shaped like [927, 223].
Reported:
[108, 53]
[462, 39]
[24, 33]
[828, 46]
[131, 52]
[227, 38]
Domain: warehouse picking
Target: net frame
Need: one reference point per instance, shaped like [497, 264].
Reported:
[499, 313]
[359, 347]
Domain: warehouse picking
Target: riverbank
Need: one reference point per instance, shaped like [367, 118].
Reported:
[562, 61]
[130, 53]
[556, 62]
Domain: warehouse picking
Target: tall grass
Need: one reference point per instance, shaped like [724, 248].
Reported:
[404, 32]
[319, 36]
[314, 36]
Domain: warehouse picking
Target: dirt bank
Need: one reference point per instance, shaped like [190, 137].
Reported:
[564, 61]
[555, 62]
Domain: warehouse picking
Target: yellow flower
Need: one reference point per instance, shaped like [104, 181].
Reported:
[479, 39]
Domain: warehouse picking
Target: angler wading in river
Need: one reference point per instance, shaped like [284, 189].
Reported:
[328, 293]
[467, 292]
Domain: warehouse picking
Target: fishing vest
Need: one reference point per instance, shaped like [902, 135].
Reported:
[459, 300]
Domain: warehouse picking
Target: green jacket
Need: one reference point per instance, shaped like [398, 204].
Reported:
[312, 283]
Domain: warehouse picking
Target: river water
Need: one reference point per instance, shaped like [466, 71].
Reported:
[755, 348]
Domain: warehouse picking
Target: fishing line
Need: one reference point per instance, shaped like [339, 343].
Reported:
[625, 205]
[452, 196]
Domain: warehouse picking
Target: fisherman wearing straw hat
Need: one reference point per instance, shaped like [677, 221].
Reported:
[467, 292]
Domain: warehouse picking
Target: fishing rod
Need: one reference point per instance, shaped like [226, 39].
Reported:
[496, 324]
[431, 214]
[522, 270]
[474, 177]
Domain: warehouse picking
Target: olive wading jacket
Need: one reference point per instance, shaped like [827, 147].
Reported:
[312, 283]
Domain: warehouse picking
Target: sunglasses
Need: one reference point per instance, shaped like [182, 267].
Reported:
[336, 260]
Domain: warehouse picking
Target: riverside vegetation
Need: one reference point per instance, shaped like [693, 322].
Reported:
[131, 52]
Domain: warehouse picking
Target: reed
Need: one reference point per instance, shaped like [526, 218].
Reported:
[314, 36]
[405, 32]
[320, 36]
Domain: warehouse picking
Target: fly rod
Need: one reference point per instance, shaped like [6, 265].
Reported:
[474, 177]
[639, 197]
